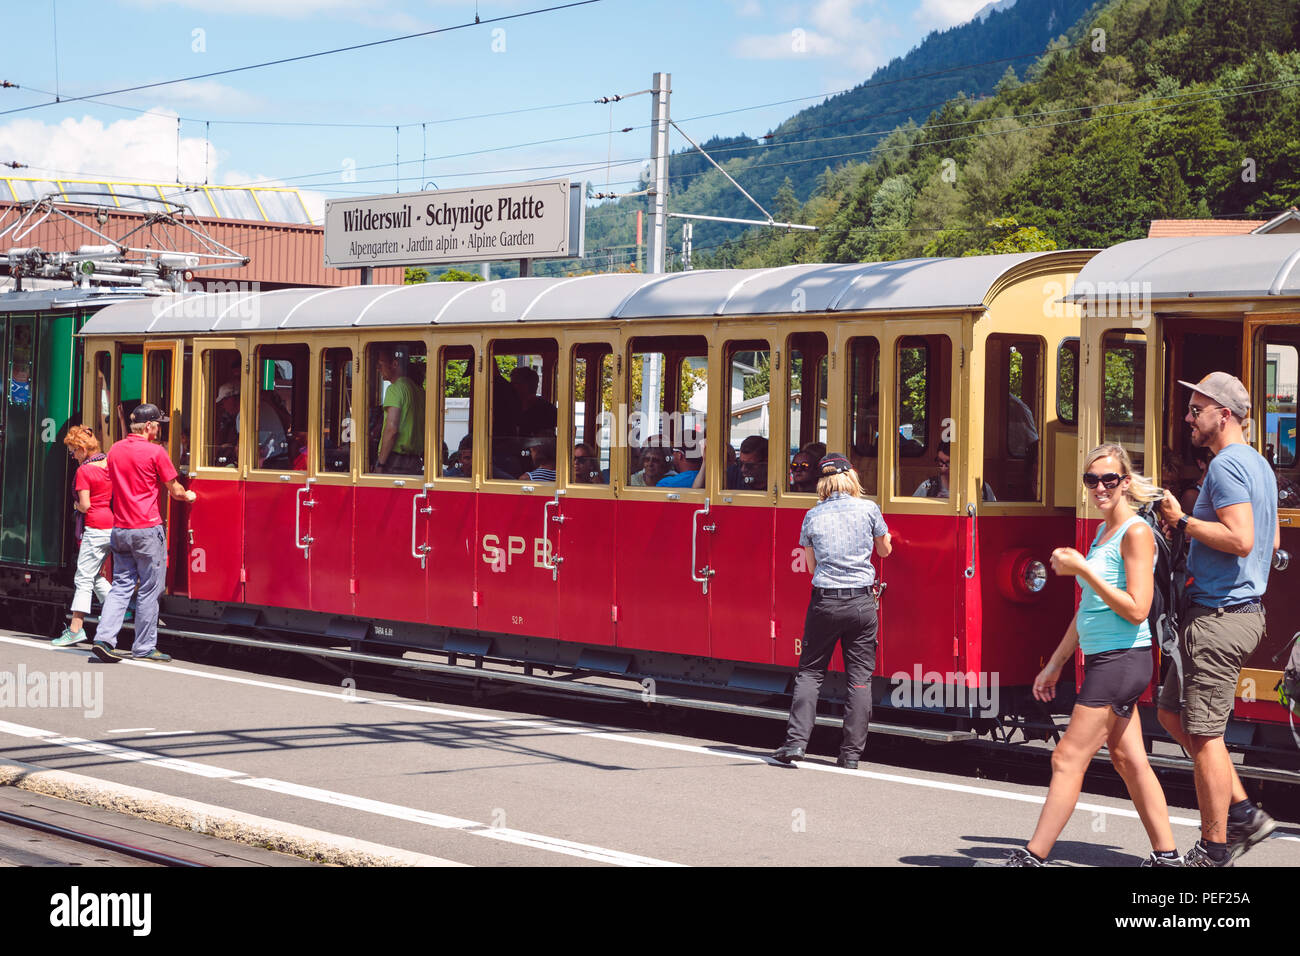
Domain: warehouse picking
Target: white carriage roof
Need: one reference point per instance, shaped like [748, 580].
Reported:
[910, 284]
[1194, 267]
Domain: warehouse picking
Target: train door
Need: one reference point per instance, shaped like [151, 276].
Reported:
[166, 384]
[1273, 348]
[664, 526]
[216, 543]
[927, 472]
[390, 522]
[814, 382]
[517, 586]
[446, 520]
[326, 513]
[750, 466]
[582, 523]
[15, 483]
[278, 495]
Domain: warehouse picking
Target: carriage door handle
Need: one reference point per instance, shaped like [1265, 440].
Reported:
[700, 575]
[1281, 559]
[550, 560]
[420, 551]
[301, 541]
[970, 571]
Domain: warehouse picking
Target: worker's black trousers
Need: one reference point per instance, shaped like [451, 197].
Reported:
[852, 623]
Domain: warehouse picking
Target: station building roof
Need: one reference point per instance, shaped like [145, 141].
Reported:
[271, 226]
[905, 285]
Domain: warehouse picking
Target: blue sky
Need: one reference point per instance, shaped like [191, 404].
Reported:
[724, 55]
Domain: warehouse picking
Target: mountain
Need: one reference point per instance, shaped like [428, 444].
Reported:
[1146, 109]
[967, 60]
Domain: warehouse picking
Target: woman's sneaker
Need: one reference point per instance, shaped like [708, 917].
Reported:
[1242, 836]
[69, 637]
[1155, 859]
[1017, 857]
[1199, 856]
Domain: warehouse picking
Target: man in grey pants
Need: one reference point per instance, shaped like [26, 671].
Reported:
[137, 467]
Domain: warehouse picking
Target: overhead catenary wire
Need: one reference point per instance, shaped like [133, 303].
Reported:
[308, 56]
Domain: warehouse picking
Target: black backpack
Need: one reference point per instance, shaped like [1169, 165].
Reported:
[1170, 586]
[1288, 687]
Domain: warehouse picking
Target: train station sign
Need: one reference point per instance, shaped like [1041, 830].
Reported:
[523, 221]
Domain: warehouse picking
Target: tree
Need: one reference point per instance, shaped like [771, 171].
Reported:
[414, 275]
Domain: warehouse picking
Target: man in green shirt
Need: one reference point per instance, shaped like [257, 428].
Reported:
[401, 441]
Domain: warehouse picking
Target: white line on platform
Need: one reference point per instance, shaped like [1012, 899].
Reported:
[167, 733]
[333, 798]
[130, 730]
[602, 734]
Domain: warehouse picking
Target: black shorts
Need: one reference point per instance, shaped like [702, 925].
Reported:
[1115, 679]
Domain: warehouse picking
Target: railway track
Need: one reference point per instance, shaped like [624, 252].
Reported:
[64, 834]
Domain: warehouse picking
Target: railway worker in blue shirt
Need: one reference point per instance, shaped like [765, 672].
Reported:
[838, 536]
[1234, 531]
[1116, 581]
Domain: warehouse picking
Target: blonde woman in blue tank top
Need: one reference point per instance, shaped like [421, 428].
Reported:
[1110, 627]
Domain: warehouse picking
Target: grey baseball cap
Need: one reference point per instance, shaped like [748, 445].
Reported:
[1225, 389]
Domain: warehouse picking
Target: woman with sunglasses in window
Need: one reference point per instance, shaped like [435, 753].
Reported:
[1110, 627]
[803, 476]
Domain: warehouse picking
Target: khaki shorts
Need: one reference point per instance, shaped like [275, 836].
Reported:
[1213, 645]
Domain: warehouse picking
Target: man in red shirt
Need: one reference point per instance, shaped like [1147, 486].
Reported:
[137, 467]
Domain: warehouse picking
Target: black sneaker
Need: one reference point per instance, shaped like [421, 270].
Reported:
[1242, 836]
[104, 652]
[788, 753]
[1156, 859]
[848, 763]
[1199, 856]
[1017, 857]
[154, 655]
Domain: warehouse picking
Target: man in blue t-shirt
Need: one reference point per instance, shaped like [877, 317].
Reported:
[1234, 531]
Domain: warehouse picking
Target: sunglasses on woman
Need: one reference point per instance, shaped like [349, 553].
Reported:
[1109, 481]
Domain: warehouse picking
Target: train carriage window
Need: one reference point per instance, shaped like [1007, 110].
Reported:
[668, 397]
[160, 390]
[395, 375]
[130, 373]
[1067, 382]
[864, 410]
[806, 434]
[457, 410]
[1281, 365]
[592, 405]
[280, 407]
[523, 409]
[1013, 367]
[1123, 367]
[221, 374]
[749, 394]
[103, 401]
[187, 395]
[924, 422]
[335, 440]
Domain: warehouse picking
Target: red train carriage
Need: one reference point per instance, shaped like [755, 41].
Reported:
[318, 428]
[1160, 310]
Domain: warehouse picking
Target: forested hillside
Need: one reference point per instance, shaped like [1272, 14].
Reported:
[967, 59]
[1149, 109]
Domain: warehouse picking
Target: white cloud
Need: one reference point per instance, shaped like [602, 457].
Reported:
[830, 29]
[747, 8]
[941, 14]
[206, 94]
[143, 148]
